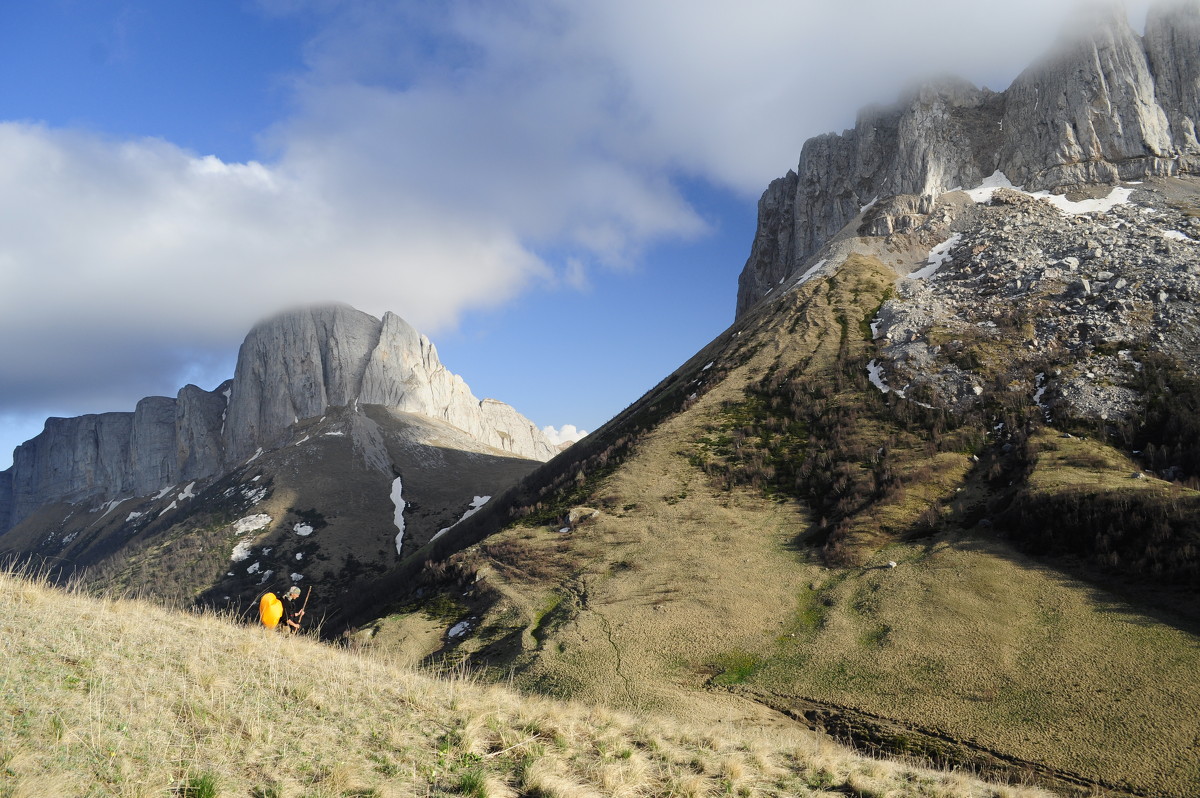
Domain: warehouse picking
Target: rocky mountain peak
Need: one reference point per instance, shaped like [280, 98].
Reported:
[294, 366]
[1106, 105]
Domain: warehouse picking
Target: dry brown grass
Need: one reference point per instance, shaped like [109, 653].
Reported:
[124, 698]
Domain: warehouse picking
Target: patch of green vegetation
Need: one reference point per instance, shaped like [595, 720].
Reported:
[545, 619]
[735, 667]
[440, 606]
[203, 785]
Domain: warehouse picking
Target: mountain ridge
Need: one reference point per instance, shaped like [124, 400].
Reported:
[291, 367]
[1109, 105]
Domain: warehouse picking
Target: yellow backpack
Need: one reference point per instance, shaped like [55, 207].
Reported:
[270, 610]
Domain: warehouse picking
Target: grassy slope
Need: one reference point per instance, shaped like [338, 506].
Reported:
[125, 698]
[679, 584]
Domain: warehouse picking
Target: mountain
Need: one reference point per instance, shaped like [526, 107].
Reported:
[340, 443]
[1108, 105]
[935, 490]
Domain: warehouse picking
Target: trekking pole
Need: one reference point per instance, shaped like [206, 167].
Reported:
[306, 595]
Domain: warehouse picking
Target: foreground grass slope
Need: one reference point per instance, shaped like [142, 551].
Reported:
[124, 698]
[741, 545]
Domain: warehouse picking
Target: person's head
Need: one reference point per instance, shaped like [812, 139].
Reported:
[293, 592]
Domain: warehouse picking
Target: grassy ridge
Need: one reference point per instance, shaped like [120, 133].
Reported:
[107, 698]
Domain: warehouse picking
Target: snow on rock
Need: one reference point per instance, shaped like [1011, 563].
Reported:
[303, 530]
[253, 569]
[476, 505]
[107, 507]
[810, 273]
[266, 575]
[398, 500]
[984, 191]
[164, 492]
[133, 516]
[187, 493]
[250, 523]
[1118, 196]
[168, 508]
[1175, 235]
[255, 456]
[459, 629]
[938, 257]
[296, 577]
[299, 555]
[875, 374]
[254, 495]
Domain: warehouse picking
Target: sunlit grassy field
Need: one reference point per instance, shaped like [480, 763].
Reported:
[122, 698]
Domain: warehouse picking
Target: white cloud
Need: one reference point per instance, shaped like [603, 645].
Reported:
[563, 434]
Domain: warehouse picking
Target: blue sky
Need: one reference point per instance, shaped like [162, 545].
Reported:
[560, 194]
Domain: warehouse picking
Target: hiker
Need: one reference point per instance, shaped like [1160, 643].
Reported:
[292, 612]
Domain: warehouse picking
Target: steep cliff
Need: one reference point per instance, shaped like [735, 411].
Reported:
[1108, 105]
[292, 367]
[298, 364]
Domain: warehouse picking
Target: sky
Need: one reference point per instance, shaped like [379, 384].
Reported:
[559, 193]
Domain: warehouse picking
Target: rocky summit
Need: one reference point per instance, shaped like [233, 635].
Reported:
[1108, 105]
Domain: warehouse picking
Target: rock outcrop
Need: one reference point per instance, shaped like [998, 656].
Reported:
[292, 367]
[109, 455]
[1109, 105]
[298, 364]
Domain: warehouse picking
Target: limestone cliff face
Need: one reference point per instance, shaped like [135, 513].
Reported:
[162, 442]
[1108, 105]
[290, 368]
[298, 364]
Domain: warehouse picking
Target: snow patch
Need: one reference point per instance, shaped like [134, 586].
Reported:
[187, 493]
[305, 439]
[869, 205]
[1118, 196]
[1176, 235]
[398, 500]
[254, 495]
[875, 374]
[811, 273]
[938, 257]
[476, 505]
[107, 507]
[459, 629]
[133, 516]
[168, 508]
[299, 555]
[241, 551]
[255, 568]
[296, 577]
[255, 456]
[250, 523]
[303, 530]
[164, 492]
